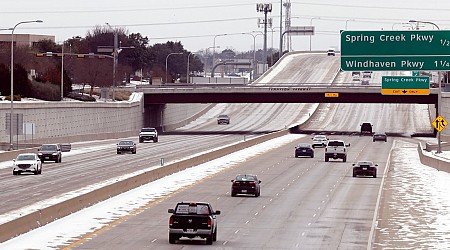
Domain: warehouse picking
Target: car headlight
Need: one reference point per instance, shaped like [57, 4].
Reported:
[54, 154]
[39, 153]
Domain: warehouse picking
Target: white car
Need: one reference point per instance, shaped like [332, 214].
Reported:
[28, 162]
[319, 141]
[148, 134]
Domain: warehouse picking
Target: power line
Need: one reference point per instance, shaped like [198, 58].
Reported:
[373, 7]
[128, 10]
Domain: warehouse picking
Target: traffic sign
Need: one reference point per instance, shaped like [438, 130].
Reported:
[331, 94]
[415, 73]
[395, 63]
[439, 123]
[405, 85]
[395, 50]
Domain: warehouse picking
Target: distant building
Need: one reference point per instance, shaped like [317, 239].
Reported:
[24, 39]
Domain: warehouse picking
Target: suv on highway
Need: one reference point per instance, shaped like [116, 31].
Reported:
[223, 119]
[148, 134]
[193, 219]
[126, 146]
[366, 128]
[50, 152]
[336, 149]
[319, 141]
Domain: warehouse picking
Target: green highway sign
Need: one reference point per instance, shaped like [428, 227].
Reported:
[405, 85]
[395, 50]
[393, 63]
[402, 43]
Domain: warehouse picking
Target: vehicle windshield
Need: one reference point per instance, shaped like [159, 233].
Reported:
[192, 209]
[223, 116]
[303, 146]
[336, 144]
[365, 164]
[48, 147]
[148, 130]
[126, 143]
[25, 157]
[245, 178]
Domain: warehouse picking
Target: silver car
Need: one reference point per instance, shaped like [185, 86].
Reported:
[28, 162]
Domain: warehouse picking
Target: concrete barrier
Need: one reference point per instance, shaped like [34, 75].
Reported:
[39, 218]
[440, 164]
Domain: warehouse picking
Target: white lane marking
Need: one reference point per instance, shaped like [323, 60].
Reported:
[247, 222]
[225, 242]
[309, 224]
[154, 240]
[237, 231]
[314, 215]
[256, 214]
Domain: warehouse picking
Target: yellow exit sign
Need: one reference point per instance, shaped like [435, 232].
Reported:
[405, 91]
[331, 94]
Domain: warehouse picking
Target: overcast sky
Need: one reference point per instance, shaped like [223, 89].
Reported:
[197, 23]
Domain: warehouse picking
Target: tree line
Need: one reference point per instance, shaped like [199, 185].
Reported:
[136, 56]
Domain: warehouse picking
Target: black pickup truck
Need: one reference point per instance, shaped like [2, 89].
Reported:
[193, 219]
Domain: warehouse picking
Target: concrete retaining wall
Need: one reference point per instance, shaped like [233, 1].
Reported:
[78, 121]
[47, 215]
[178, 115]
[434, 162]
[67, 120]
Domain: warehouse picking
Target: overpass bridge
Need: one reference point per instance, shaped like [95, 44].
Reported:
[277, 93]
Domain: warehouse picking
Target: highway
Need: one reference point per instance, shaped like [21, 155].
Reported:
[305, 203]
[94, 162]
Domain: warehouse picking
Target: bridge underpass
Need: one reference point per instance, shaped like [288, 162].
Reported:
[305, 93]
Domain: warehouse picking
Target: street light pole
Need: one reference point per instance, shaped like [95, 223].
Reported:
[115, 54]
[281, 30]
[11, 145]
[62, 71]
[167, 57]
[206, 58]
[346, 22]
[214, 48]
[439, 150]
[310, 24]
[254, 52]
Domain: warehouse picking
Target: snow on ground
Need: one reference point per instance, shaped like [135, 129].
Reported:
[418, 186]
[93, 218]
[60, 198]
[417, 212]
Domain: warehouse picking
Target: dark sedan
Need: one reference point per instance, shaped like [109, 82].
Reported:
[126, 147]
[246, 184]
[365, 168]
[304, 150]
[380, 137]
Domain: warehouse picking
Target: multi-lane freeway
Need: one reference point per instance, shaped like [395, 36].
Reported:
[305, 203]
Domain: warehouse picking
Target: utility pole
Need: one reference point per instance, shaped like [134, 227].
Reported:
[266, 7]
